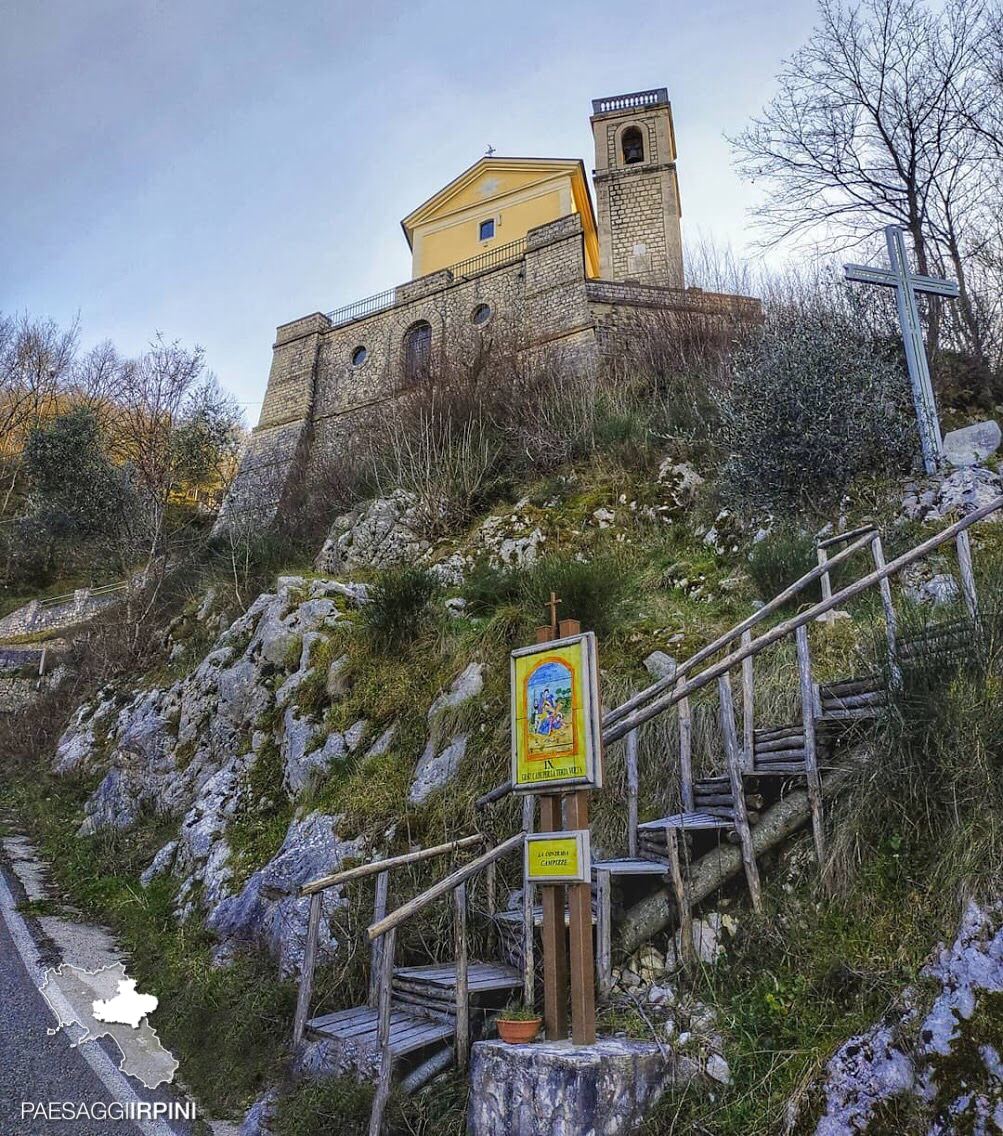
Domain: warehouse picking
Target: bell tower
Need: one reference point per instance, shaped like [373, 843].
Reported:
[637, 191]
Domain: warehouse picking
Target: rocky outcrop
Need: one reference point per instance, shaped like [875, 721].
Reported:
[941, 1058]
[196, 749]
[962, 491]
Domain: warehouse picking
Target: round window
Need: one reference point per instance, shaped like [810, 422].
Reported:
[359, 356]
[481, 314]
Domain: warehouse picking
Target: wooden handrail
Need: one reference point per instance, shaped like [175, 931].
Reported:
[735, 632]
[838, 538]
[493, 795]
[445, 885]
[375, 867]
[686, 688]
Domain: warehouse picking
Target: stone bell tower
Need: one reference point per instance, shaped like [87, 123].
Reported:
[637, 192]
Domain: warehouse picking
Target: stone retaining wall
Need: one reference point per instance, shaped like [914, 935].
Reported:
[40, 616]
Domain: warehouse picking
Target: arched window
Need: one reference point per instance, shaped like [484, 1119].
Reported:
[417, 351]
[632, 145]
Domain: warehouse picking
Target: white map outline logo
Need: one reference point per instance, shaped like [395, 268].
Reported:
[115, 1009]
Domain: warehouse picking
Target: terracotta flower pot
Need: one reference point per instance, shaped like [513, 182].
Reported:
[518, 1032]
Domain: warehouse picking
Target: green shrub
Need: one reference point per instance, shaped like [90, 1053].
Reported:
[812, 403]
[595, 592]
[780, 558]
[399, 607]
[488, 588]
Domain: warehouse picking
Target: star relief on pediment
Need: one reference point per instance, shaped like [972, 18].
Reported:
[488, 186]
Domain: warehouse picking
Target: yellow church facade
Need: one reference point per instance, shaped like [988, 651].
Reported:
[494, 203]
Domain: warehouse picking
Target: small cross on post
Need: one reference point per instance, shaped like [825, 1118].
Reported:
[552, 604]
[906, 284]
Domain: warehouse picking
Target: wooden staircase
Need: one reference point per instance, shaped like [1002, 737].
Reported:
[414, 1010]
[422, 1007]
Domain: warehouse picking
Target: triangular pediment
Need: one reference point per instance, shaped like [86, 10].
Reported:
[488, 180]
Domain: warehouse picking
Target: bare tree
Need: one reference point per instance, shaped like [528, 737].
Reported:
[872, 125]
[36, 357]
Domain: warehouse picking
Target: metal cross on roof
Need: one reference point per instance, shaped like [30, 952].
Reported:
[906, 284]
[489, 151]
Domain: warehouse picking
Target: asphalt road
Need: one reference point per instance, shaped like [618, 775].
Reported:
[39, 1067]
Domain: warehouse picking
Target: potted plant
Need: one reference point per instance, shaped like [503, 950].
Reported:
[518, 1023]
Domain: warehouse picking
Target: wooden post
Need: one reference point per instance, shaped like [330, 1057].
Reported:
[686, 754]
[583, 967]
[727, 711]
[528, 932]
[810, 756]
[309, 963]
[383, 1032]
[462, 994]
[379, 911]
[491, 901]
[823, 559]
[604, 932]
[748, 702]
[632, 791]
[964, 547]
[885, 587]
[555, 955]
[680, 886]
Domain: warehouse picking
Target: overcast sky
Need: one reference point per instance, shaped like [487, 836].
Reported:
[212, 168]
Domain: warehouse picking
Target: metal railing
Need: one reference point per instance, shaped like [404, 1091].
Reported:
[629, 102]
[493, 258]
[362, 308]
[464, 270]
[90, 593]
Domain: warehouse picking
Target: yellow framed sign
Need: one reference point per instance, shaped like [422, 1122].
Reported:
[558, 857]
[556, 723]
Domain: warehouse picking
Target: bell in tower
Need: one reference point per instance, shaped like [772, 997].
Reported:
[637, 192]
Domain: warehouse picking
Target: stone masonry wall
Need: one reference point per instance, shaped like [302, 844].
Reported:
[38, 616]
[317, 395]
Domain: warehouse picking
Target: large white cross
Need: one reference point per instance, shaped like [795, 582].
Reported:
[906, 284]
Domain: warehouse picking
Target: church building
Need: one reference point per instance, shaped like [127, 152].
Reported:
[514, 249]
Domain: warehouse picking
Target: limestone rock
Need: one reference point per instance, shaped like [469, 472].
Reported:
[660, 665]
[383, 742]
[383, 532]
[160, 865]
[260, 1115]
[961, 492]
[115, 803]
[900, 1056]
[972, 444]
[717, 1069]
[468, 685]
[681, 482]
[312, 848]
[436, 770]
[938, 590]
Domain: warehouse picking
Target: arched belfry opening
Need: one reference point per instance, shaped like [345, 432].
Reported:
[632, 146]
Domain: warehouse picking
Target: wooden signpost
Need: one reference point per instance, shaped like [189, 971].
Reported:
[557, 746]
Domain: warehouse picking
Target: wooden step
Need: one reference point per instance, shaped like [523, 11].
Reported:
[865, 684]
[776, 733]
[360, 1027]
[441, 979]
[785, 742]
[685, 820]
[629, 867]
